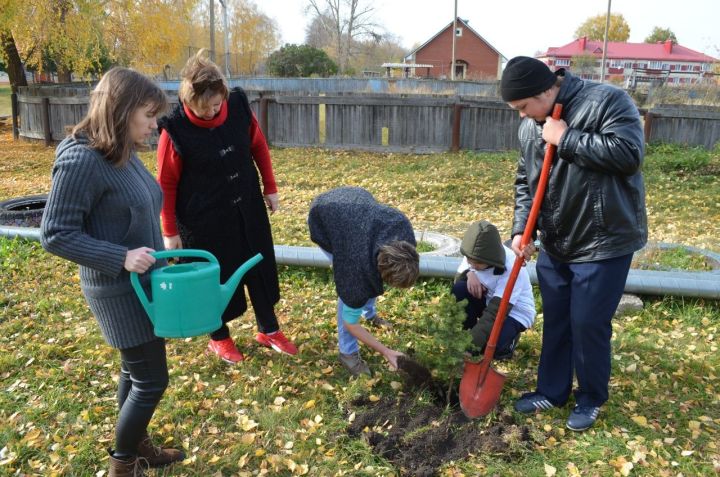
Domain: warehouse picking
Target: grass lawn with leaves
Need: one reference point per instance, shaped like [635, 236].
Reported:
[5, 106]
[281, 415]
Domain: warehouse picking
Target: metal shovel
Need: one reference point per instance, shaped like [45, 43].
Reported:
[481, 385]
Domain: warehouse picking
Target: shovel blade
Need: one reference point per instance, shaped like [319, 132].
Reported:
[479, 392]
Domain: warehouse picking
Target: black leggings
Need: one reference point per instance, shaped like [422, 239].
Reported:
[143, 380]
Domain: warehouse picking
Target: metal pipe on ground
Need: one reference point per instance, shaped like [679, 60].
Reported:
[642, 282]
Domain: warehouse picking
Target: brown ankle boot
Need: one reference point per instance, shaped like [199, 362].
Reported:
[156, 456]
[126, 468]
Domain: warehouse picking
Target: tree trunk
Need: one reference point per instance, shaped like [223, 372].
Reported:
[14, 66]
[64, 76]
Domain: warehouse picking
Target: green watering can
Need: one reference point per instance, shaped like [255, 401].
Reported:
[188, 299]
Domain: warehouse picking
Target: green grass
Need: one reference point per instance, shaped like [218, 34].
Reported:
[281, 415]
[425, 247]
[5, 106]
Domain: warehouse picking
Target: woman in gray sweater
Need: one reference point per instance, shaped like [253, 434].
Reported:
[102, 213]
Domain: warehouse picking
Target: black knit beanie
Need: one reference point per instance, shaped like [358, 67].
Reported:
[524, 77]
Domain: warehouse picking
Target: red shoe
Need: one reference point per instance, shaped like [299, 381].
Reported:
[226, 350]
[276, 341]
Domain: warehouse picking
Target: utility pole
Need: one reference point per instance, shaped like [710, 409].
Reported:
[604, 55]
[212, 30]
[454, 36]
[227, 38]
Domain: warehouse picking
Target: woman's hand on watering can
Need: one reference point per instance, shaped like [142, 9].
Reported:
[139, 260]
[527, 252]
[172, 242]
[273, 202]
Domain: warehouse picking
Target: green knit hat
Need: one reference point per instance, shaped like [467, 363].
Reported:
[482, 243]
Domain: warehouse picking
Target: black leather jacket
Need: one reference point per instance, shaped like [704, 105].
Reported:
[594, 206]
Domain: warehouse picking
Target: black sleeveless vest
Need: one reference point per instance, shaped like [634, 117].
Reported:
[219, 205]
[218, 171]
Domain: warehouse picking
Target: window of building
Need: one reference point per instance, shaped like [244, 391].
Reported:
[562, 62]
[458, 31]
[628, 64]
[655, 65]
[616, 64]
[665, 66]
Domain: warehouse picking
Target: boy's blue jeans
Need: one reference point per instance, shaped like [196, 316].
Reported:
[347, 343]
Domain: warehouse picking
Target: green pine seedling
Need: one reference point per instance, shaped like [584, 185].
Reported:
[445, 342]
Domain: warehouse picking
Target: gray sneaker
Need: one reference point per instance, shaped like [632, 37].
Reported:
[378, 322]
[355, 364]
[582, 418]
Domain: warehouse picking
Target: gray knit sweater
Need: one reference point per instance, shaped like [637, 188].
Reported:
[95, 213]
[350, 224]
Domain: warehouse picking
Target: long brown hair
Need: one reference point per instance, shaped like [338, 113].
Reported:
[116, 97]
[201, 80]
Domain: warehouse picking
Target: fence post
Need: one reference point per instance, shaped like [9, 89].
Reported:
[46, 120]
[15, 114]
[457, 114]
[648, 126]
[264, 116]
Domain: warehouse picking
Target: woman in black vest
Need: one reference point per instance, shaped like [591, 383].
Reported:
[209, 154]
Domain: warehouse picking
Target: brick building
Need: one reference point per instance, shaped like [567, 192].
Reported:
[632, 63]
[475, 58]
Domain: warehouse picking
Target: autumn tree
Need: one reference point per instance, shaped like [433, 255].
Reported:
[347, 22]
[11, 60]
[253, 35]
[594, 28]
[659, 34]
[584, 64]
[147, 34]
[370, 54]
[62, 34]
[87, 37]
[300, 61]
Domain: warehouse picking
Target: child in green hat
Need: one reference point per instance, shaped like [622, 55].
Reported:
[481, 279]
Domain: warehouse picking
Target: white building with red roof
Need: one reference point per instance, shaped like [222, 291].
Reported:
[632, 63]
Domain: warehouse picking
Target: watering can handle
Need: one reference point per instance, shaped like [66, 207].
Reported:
[188, 252]
[135, 281]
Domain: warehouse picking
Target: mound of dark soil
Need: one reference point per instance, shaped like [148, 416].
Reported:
[418, 435]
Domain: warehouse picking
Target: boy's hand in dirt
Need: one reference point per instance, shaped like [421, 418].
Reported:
[392, 356]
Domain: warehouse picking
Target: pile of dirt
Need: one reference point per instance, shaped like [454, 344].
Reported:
[419, 434]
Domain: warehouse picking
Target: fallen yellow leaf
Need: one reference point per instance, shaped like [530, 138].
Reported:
[640, 420]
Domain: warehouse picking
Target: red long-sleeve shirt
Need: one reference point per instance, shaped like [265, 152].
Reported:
[170, 164]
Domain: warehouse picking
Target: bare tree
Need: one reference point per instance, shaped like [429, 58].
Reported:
[347, 22]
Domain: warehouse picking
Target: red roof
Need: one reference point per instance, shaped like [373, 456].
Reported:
[636, 51]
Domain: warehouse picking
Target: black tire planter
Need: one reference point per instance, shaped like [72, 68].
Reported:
[23, 211]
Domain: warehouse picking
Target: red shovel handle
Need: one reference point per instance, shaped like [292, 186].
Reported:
[519, 261]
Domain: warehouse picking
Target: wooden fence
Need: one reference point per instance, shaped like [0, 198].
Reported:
[377, 122]
[694, 125]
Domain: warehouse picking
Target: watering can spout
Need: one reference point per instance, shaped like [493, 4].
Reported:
[228, 289]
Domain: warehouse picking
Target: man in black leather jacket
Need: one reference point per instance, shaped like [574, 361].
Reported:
[591, 221]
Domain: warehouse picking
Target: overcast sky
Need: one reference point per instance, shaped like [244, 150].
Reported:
[522, 27]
